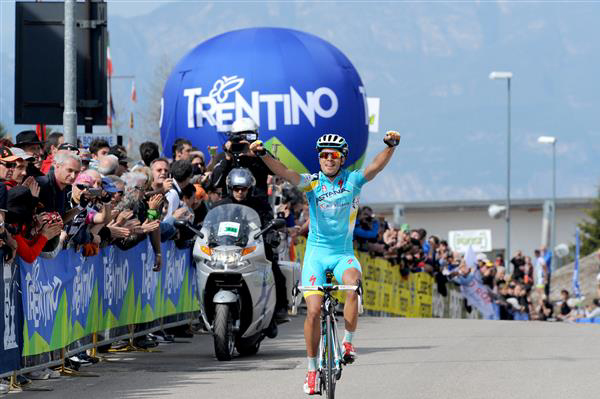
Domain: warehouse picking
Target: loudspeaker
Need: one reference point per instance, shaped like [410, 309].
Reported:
[39, 63]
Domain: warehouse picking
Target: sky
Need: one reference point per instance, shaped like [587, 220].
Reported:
[429, 63]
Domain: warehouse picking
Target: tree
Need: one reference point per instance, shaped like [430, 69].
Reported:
[3, 131]
[590, 229]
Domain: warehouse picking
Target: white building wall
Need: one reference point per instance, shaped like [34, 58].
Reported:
[526, 225]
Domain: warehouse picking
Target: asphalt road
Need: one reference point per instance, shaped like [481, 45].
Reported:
[398, 358]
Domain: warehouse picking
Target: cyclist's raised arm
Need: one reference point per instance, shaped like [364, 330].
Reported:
[391, 139]
[275, 165]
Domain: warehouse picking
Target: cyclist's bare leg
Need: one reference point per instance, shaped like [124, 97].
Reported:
[312, 329]
[350, 277]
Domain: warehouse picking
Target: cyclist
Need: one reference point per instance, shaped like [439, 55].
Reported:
[333, 196]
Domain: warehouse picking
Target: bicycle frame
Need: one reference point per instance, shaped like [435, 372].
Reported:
[329, 329]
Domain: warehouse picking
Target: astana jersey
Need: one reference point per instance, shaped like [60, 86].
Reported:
[332, 207]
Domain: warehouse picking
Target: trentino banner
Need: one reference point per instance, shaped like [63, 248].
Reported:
[10, 319]
[295, 85]
[72, 296]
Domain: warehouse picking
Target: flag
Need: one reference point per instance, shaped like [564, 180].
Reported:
[576, 287]
[109, 64]
[112, 114]
[133, 91]
[131, 120]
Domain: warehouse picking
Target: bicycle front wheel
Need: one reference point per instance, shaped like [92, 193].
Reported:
[330, 364]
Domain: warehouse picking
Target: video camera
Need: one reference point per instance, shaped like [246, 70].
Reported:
[241, 140]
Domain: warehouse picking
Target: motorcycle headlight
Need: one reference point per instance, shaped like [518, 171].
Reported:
[228, 258]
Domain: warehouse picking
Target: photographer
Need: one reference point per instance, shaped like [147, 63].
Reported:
[93, 208]
[31, 233]
[366, 229]
[244, 131]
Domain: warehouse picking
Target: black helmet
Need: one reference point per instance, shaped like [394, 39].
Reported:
[240, 177]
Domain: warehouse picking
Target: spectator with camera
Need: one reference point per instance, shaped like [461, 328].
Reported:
[31, 232]
[94, 209]
[366, 229]
[244, 131]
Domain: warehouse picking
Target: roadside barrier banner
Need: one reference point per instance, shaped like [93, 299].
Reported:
[385, 290]
[71, 296]
[10, 319]
[479, 296]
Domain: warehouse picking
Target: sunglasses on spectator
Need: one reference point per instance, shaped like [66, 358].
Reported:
[69, 147]
[82, 186]
[327, 154]
[9, 165]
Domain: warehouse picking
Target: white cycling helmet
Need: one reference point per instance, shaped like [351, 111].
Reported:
[243, 125]
[333, 141]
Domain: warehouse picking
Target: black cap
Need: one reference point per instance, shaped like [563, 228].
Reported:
[27, 137]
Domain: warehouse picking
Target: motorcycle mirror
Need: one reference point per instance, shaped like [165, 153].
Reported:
[273, 224]
[180, 224]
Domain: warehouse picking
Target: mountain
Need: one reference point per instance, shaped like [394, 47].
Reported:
[429, 62]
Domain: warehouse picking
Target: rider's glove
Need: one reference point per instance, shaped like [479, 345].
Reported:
[392, 138]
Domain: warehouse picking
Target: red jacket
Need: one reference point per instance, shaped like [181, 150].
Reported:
[47, 164]
[28, 250]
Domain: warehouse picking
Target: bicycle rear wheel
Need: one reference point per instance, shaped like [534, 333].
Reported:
[330, 377]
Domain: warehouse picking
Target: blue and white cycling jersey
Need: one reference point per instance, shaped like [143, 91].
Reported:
[333, 207]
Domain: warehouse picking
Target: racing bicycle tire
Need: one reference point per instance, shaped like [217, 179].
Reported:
[330, 378]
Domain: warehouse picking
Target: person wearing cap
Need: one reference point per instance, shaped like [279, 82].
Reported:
[55, 140]
[8, 163]
[21, 168]
[31, 144]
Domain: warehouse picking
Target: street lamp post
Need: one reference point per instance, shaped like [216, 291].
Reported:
[552, 140]
[507, 76]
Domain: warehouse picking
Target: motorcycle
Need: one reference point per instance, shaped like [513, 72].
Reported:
[236, 288]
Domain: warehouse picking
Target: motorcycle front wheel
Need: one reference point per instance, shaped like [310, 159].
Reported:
[223, 332]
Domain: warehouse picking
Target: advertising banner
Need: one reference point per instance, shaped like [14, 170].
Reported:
[10, 319]
[294, 85]
[479, 240]
[72, 296]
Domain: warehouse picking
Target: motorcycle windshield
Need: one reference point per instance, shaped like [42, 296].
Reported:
[230, 224]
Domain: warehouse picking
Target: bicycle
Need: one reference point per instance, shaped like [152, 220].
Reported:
[330, 359]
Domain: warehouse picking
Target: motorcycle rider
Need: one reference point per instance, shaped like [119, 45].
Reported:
[241, 185]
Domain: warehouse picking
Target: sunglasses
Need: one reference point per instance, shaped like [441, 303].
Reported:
[240, 188]
[327, 154]
[82, 186]
[69, 147]
[10, 165]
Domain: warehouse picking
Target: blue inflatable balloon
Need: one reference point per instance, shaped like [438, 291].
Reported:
[296, 86]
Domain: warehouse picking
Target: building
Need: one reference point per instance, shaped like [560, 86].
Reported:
[438, 218]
